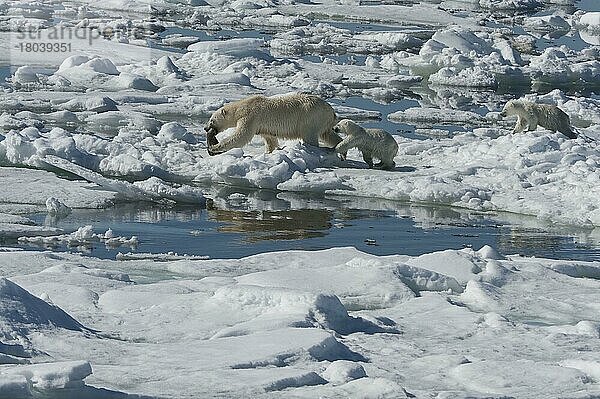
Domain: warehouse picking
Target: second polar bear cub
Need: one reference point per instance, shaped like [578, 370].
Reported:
[530, 115]
[287, 116]
[373, 143]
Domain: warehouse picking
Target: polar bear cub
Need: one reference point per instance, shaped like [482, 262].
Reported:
[289, 116]
[373, 143]
[530, 115]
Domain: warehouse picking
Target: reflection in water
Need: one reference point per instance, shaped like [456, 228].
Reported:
[127, 213]
[239, 222]
[526, 241]
[522, 241]
[273, 225]
[159, 215]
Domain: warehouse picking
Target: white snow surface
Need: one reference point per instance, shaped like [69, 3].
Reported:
[487, 168]
[82, 237]
[26, 189]
[332, 323]
[126, 117]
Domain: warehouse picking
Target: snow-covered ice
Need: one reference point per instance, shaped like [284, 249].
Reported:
[325, 323]
[537, 173]
[119, 118]
[81, 238]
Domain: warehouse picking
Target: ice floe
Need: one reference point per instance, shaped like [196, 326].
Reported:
[487, 168]
[333, 322]
[81, 238]
[125, 117]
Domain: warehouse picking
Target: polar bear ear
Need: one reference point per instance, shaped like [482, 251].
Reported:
[223, 111]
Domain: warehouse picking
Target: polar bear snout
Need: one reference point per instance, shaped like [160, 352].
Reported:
[211, 134]
[343, 126]
[506, 110]
[210, 129]
[510, 108]
[210, 126]
[336, 128]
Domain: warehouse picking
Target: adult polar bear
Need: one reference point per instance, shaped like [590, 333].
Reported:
[290, 116]
[530, 115]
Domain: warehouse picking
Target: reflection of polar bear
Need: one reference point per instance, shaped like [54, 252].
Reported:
[293, 116]
[373, 143]
[530, 115]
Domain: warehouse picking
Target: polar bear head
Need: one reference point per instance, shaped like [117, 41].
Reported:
[223, 118]
[513, 107]
[348, 127]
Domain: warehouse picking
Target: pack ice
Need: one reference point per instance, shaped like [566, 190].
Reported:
[123, 119]
[484, 167]
[333, 323]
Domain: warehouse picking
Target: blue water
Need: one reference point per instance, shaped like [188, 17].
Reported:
[385, 109]
[390, 228]
[221, 34]
[401, 129]
[588, 5]
[5, 72]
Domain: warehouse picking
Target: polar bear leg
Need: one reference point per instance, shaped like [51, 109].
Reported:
[368, 158]
[330, 138]
[387, 159]
[310, 140]
[533, 123]
[564, 124]
[386, 164]
[242, 136]
[344, 145]
[567, 131]
[271, 143]
[521, 124]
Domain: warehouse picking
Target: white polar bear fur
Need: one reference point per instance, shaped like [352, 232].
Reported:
[293, 116]
[373, 143]
[530, 115]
